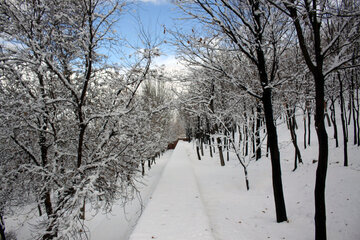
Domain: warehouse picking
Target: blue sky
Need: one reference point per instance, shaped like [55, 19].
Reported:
[153, 14]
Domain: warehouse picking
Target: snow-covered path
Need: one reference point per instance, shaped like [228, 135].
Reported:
[176, 210]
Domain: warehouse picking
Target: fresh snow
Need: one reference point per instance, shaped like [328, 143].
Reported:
[120, 222]
[176, 210]
[185, 198]
[202, 200]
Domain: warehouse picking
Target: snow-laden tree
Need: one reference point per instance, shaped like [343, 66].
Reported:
[69, 123]
[156, 105]
[259, 33]
[328, 33]
[215, 108]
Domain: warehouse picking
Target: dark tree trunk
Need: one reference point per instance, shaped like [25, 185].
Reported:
[291, 123]
[39, 210]
[267, 146]
[142, 167]
[343, 121]
[321, 171]
[149, 164]
[198, 152]
[227, 153]
[319, 79]
[257, 133]
[352, 96]
[240, 135]
[82, 210]
[246, 179]
[275, 157]
[309, 125]
[226, 141]
[202, 146]
[51, 229]
[357, 113]
[333, 119]
[46, 195]
[233, 130]
[304, 120]
[2, 228]
[270, 124]
[222, 162]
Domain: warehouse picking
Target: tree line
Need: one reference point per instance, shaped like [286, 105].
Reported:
[75, 128]
[253, 62]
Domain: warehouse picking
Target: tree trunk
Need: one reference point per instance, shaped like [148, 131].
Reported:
[309, 125]
[142, 167]
[275, 157]
[343, 121]
[304, 120]
[257, 133]
[321, 171]
[39, 210]
[51, 229]
[319, 79]
[82, 211]
[198, 152]
[333, 119]
[240, 136]
[267, 146]
[246, 179]
[2, 228]
[227, 153]
[253, 133]
[222, 162]
[226, 141]
[352, 96]
[202, 146]
[357, 114]
[291, 123]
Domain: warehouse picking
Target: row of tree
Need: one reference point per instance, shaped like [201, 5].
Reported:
[74, 129]
[252, 62]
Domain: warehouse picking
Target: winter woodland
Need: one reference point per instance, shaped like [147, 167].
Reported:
[80, 133]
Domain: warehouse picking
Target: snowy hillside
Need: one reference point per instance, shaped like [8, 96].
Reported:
[189, 186]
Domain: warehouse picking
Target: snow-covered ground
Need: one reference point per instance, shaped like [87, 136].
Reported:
[176, 209]
[186, 199]
[202, 198]
[121, 221]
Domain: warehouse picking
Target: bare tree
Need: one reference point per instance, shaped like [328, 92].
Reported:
[252, 30]
[322, 57]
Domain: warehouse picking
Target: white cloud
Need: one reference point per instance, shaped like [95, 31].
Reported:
[170, 63]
